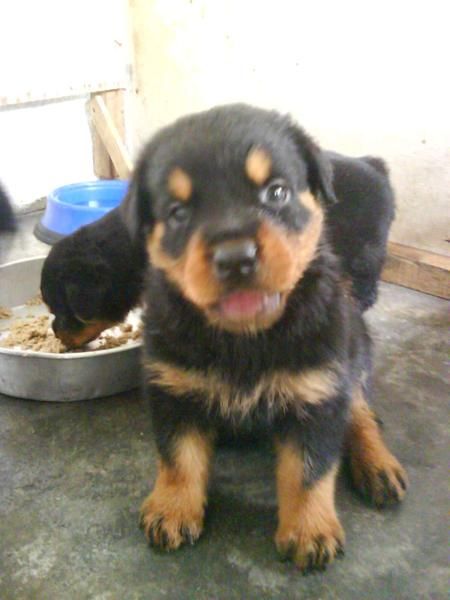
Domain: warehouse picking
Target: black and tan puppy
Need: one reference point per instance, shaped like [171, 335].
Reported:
[92, 279]
[249, 326]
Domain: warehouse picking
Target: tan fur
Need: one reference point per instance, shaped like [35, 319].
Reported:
[281, 390]
[88, 333]
[308, 526]
[179, 184]
[375, 471]
[310, 202]
[200, 285]
[191, 272]
[286, 256]
[178, 499]
[258, 165]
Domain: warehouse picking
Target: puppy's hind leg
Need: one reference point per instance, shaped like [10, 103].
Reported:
[376, 473]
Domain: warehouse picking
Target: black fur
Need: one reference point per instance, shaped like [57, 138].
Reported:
[359, 223]
[94, 274]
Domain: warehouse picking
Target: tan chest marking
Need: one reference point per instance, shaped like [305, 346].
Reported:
[281, 390]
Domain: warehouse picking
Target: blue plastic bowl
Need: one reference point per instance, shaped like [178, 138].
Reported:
[71, 206]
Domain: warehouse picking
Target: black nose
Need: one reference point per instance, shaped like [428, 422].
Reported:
[235, 260]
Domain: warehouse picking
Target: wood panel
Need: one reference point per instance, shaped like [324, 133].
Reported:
[418, 269]
[111, 157]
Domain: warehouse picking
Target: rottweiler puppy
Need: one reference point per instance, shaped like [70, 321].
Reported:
[250, 323]
[92, 278]
[249, 326]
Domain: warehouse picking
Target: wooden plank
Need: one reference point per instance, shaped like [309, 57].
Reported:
[109, 134]
[31, 96]
[114, 101]
[418, 269]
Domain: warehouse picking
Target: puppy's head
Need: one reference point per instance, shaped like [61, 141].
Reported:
[76, 291]
[231, 202]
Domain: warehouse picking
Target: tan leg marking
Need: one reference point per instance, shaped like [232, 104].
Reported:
[376, 473]
[173, 513]
[309, 531]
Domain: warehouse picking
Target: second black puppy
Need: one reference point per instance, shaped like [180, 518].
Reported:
[92, 279]
[358, 224]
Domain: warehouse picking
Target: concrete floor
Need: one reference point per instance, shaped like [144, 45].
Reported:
[72, 477]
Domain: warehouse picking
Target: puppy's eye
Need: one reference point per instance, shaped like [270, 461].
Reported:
[178, 214]
[276, 194]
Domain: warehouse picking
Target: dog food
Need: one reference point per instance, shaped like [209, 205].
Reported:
[33, 332]
[5, 313]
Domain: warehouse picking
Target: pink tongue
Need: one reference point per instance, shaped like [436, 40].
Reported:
[241, 305]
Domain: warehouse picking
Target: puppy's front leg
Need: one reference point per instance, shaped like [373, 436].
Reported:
[173, 513]
[309, 531]
[308, 451]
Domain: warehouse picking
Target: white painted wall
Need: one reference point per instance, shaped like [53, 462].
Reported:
[53, 48]
[42, 147]
[362, 77]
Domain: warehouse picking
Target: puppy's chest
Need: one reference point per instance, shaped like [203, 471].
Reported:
[273, 392]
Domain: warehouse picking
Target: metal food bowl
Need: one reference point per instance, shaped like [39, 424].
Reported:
[58, 377]
[71, 206]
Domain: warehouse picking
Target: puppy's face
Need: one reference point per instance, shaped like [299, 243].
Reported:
[75, 292]
[230, 202]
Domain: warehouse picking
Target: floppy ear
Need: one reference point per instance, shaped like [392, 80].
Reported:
[320, 170]
[135, 209]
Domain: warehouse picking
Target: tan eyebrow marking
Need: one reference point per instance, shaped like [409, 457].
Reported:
[258, 165]
[179, 184]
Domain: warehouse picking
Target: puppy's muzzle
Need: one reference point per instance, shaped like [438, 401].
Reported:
[235, 261]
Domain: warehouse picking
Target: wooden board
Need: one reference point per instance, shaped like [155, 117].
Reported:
[108, 137]
[114, 102]
[418, 269]
[51, 93]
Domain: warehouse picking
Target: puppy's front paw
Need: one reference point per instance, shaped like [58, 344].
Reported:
[169, 523]
[312, 546]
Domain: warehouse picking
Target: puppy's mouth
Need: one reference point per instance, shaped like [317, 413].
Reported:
[247, 305]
